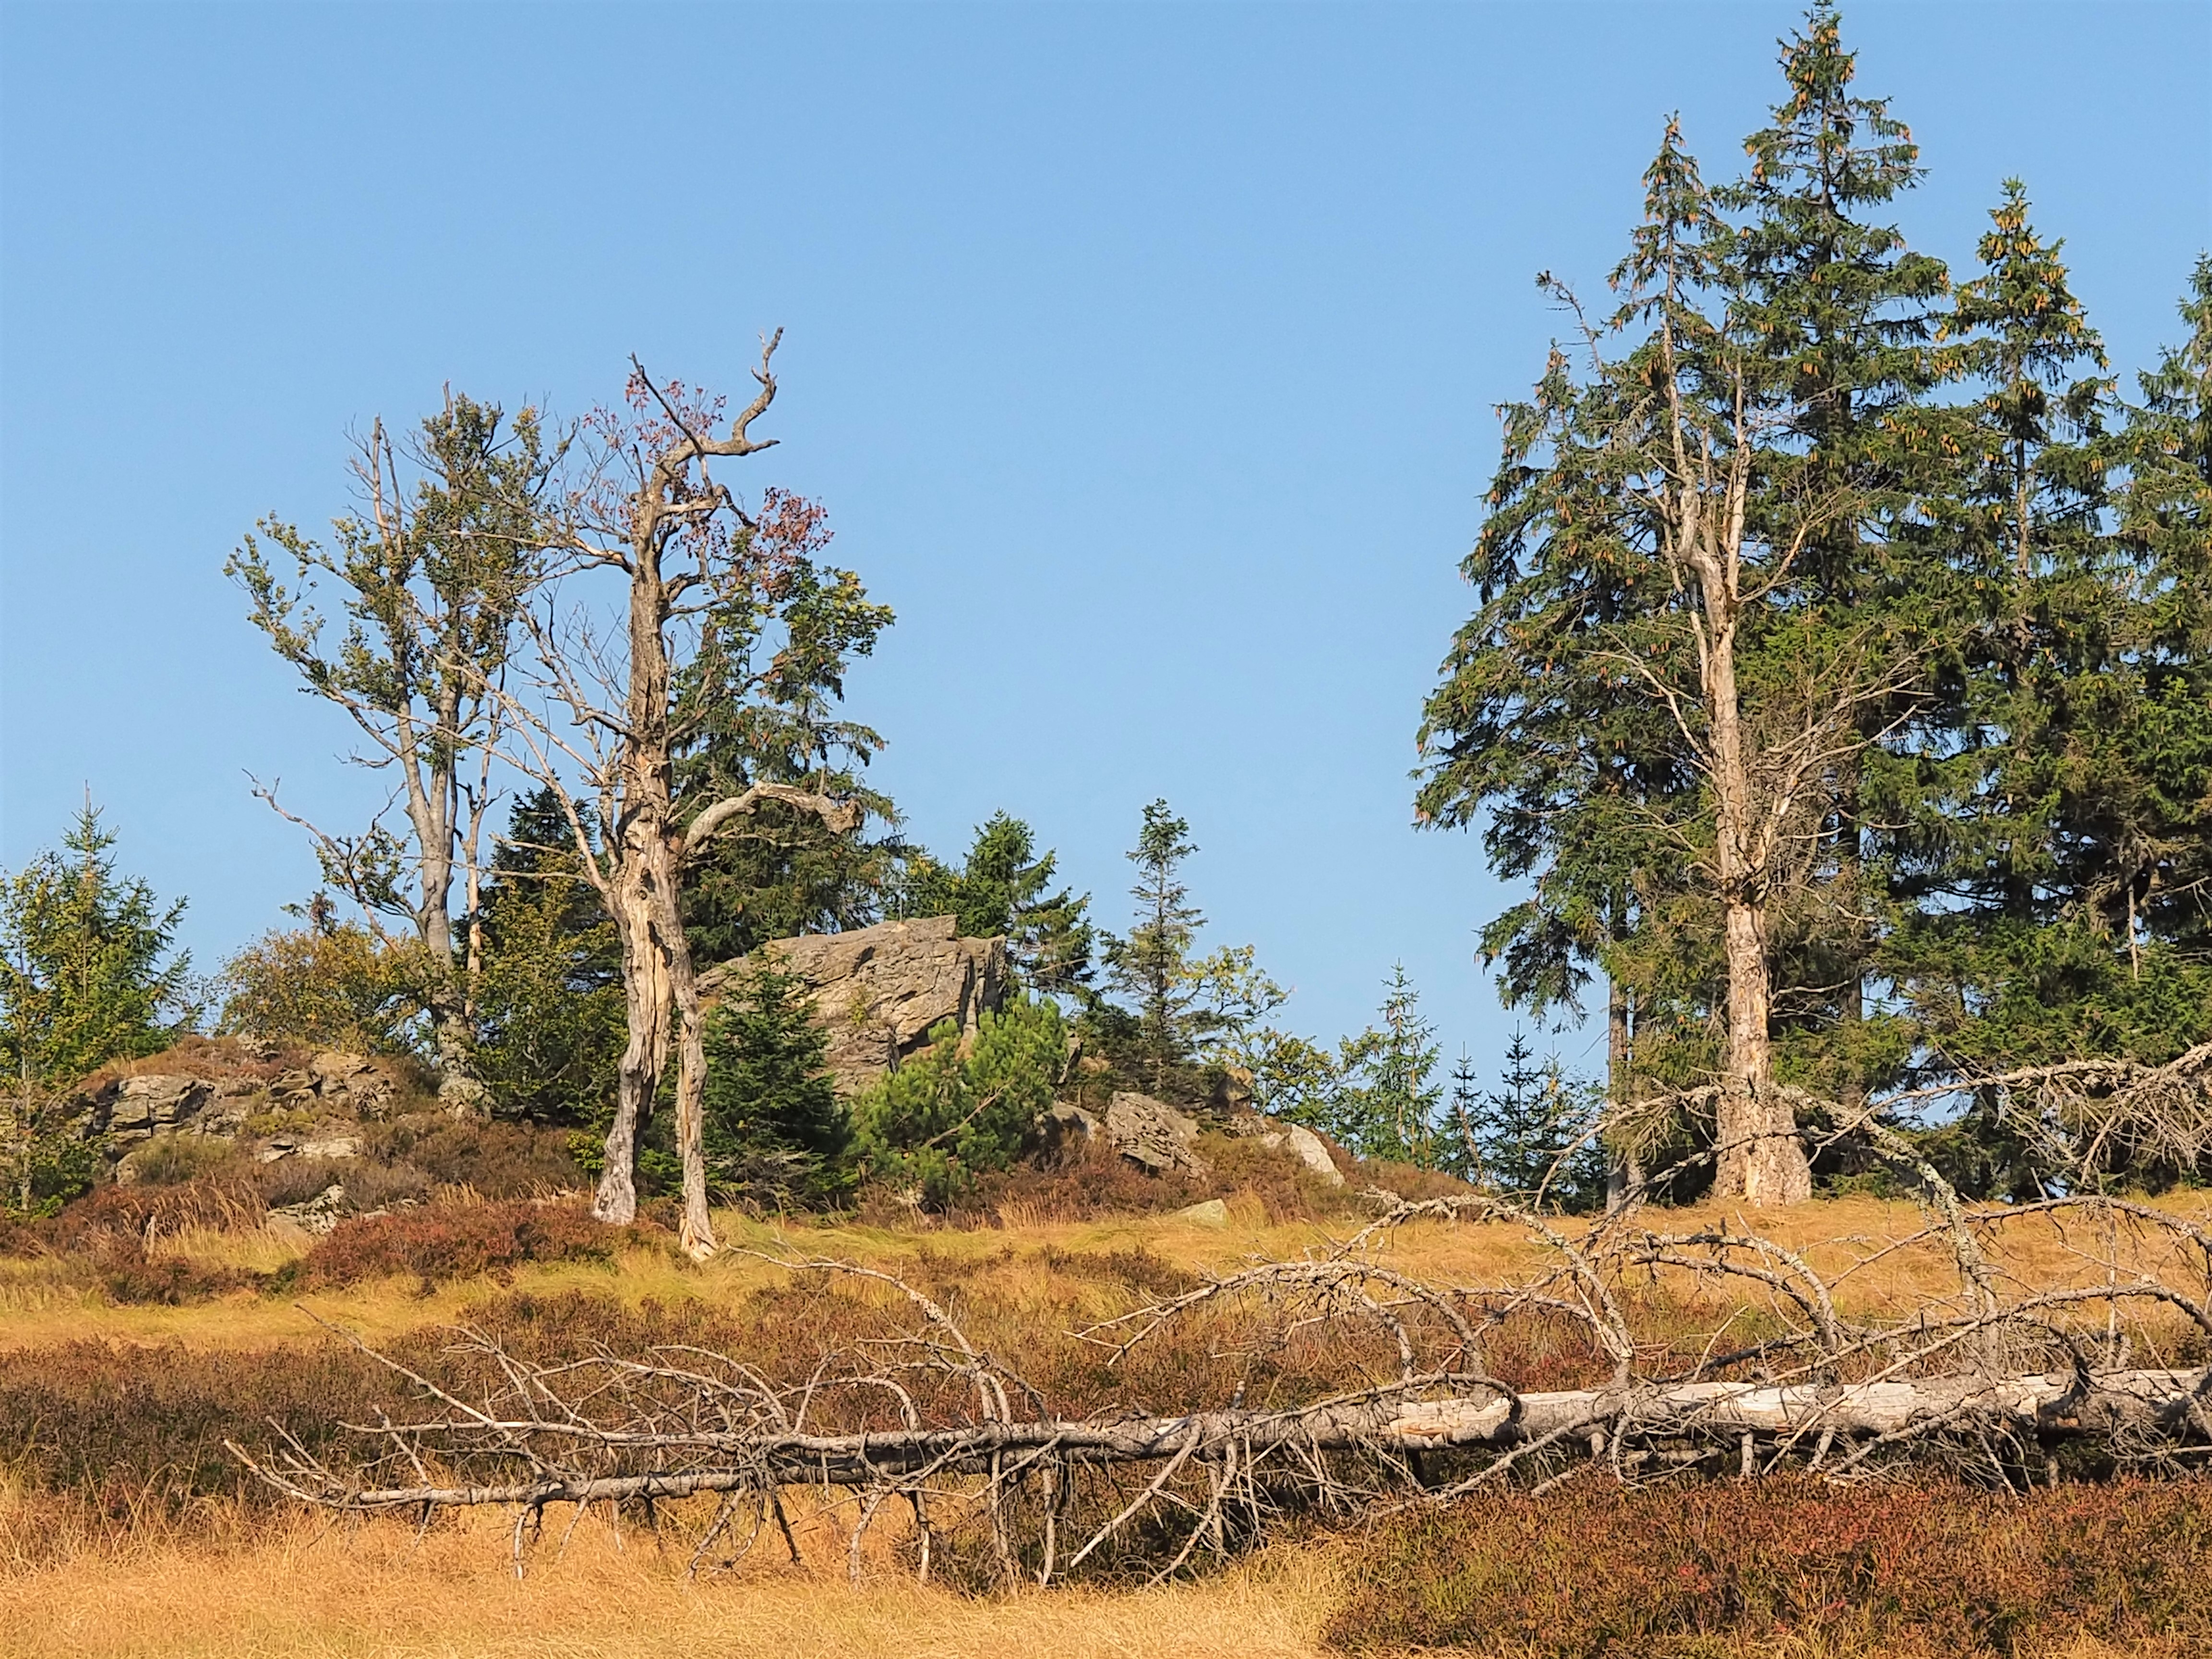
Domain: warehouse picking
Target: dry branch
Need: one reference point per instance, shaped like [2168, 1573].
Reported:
[1988, 1380]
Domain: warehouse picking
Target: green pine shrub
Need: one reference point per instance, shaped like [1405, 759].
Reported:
[775, 1132]
[960, 1108]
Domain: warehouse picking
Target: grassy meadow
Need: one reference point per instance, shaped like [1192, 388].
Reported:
[125, 1528]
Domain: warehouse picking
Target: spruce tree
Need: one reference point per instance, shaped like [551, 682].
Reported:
[1387, 1102]
[1150, 966]
[774, 1131]
[88, 974]
[793, 638]
[547, 976]
[1987, 954]
[1004, 889]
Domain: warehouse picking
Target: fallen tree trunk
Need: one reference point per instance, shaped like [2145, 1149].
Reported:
[904, 1405]
[2170, 1406]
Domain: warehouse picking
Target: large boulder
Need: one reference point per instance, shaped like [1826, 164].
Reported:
[1153, 1134]
[879, 991]
[1296, 1139]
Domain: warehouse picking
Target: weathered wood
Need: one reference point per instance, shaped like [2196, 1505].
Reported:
[2173, 1405]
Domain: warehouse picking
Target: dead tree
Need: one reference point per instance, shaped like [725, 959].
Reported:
[606, 711]
[1989, 1382]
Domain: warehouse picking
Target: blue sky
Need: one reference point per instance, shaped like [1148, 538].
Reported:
[1144, 356]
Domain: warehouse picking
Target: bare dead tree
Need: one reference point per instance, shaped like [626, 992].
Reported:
[923, 1420]
[601, 716]
[435, 570]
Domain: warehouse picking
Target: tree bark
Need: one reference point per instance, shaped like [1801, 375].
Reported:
[2152, 1405]
[1760, 1160]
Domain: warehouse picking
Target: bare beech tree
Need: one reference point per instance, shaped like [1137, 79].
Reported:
[606, 711]
[435, 572]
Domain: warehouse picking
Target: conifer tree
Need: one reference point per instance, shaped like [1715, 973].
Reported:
[1981, 857]
[548, 1006]
[774, 1132]
[1004, 889]
[2165, 532]
[1696, 618]
[88, 974]
[1150, 965]
[1388, 1102]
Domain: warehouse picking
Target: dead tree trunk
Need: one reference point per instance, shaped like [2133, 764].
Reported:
[693, 564]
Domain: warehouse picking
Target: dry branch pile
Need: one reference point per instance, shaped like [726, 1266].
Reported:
[1993, 1379]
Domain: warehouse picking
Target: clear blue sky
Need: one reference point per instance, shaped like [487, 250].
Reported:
[1144, 355]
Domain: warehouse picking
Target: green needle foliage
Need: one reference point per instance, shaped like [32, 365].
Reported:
[776, 1134]
[1004, 889]
[946, 1116]
[1972, 644]
[88, 974]
[548, 999]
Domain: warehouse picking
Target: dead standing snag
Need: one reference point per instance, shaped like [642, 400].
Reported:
[607, 713]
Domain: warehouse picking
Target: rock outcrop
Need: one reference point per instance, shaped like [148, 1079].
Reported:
[1153, 1134]
[879, 991]
[131, 1110]
[1302, 1143]
[331, 1087]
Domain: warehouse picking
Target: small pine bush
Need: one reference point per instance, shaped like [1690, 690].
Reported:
[947, 1116]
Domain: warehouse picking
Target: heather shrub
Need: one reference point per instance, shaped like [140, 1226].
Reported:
[1095, 1183]
[441, 1242]
[494, 1160]
[1278, 1179]
[171, 1160]
[296, 1180]
[1594, 1571]
[141, 1214]
[126, 1428]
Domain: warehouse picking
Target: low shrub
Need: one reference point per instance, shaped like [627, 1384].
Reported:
[1278, 1179]
[493, 1160]
[1599, 1573]
[131, 1276]
[1405, 1180]
[296, 1180]
[1095, 1183]
[441, 1242]
[172, 1160]
[142, 1214]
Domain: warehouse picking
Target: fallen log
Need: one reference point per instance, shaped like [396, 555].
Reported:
[2172, 1406]
[906, 1406]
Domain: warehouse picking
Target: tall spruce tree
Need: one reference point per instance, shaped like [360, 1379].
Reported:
[1985, 952]
[1837, 314]
[2166, 532]
[1150, 965]
[785, 872]
[1692, 589]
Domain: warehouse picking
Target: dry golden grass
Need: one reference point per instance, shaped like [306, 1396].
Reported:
[291, 1589]
[41, 1302]
[372, 1591]
[306, 1592]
